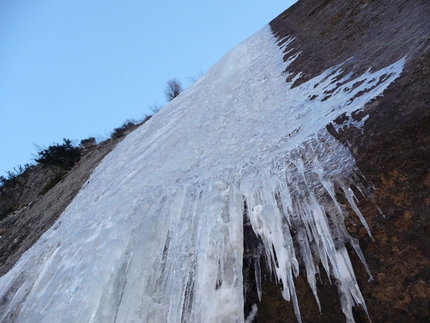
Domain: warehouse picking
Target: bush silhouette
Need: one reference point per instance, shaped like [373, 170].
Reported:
[173, 89]
[13, 176]
[64, 156]
[121, 131]
[89, 142]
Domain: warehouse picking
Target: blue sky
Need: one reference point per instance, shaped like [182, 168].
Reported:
[76, 69]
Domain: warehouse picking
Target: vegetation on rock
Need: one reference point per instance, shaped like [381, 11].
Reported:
[63, 155]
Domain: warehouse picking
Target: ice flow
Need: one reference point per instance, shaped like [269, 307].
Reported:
[157, 233]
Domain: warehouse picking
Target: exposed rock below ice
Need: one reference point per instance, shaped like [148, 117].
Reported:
[393, 152]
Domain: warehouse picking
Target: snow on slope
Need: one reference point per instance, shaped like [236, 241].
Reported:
[156, 234]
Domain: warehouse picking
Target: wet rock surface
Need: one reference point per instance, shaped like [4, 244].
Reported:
[393, 153]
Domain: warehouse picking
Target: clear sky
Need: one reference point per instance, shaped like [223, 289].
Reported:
[80, 68]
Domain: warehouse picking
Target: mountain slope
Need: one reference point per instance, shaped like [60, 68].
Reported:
[21, 229]
[242, 172]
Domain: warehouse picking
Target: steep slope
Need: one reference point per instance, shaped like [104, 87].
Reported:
[241, 176]
[23, 228]
[392, 151]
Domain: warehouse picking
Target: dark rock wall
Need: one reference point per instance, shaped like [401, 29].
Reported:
[393, 152]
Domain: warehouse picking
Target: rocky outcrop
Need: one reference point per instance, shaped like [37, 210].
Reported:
[21, 229]
[393, 152]
[40, 194]
[24, 189]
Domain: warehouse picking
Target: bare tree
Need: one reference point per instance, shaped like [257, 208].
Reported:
[194, 78]
[173, 89]
[155, 108]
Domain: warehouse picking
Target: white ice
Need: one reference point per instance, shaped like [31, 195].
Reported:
[156, 234]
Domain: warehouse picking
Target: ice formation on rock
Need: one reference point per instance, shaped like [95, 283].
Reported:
[156, 235]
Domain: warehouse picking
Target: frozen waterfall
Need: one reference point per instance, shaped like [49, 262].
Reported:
[156, 235]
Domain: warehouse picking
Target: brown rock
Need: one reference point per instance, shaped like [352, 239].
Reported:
[393, 152]
[24, 227]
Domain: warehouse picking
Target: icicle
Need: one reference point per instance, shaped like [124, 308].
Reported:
[252, 315]
[306, 205]
[257, 268]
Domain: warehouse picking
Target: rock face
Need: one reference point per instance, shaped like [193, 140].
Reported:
[393, 152]
[24, 227]
[29, 185]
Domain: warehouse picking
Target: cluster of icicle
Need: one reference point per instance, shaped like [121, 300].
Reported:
[156, 235]
[294, 210]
